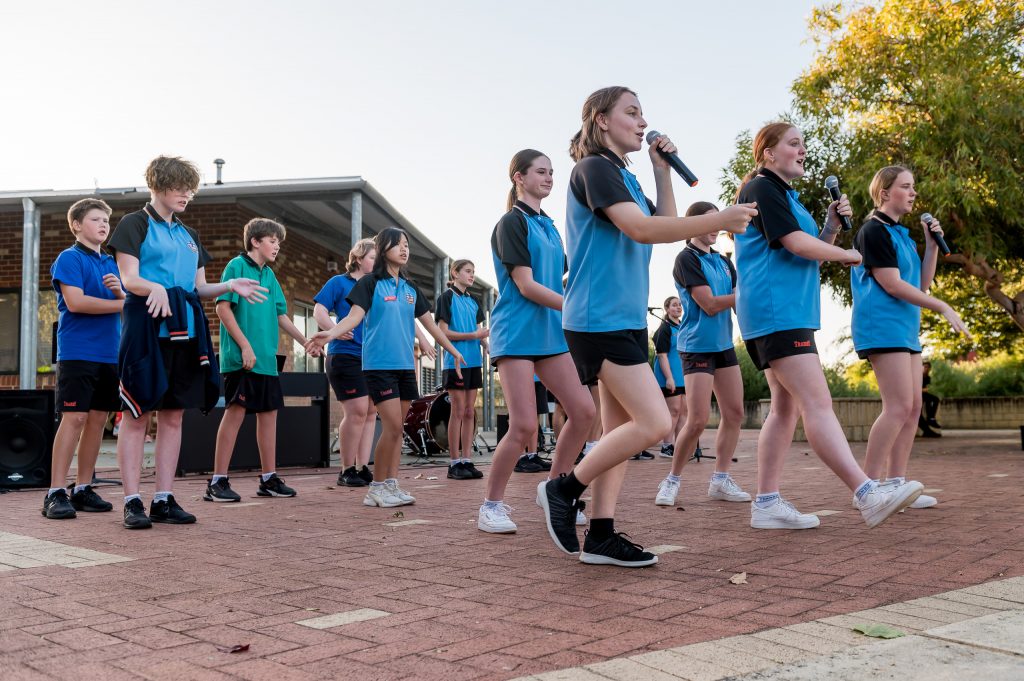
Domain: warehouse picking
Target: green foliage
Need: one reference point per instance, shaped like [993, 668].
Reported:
[1001, 375]
[755, 385]
[845, 382]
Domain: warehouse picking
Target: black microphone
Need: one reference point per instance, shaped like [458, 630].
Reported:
[674, 161]
[653, 309]
[927, 218]
[832, 185]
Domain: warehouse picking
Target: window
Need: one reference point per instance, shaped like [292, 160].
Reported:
[10, 325]
[47, 334]
[10, 331]
[302, 317]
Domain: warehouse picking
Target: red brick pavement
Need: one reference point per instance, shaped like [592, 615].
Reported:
[466, 605]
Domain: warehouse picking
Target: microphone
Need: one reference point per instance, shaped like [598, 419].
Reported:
[927, 218]
[674, 161]
[653, 309]
[832, 185]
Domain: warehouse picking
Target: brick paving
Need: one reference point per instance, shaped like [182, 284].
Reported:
[465, 605]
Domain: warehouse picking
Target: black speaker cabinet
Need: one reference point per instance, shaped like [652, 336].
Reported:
[302, 432]
[502, 425]
[27, 424]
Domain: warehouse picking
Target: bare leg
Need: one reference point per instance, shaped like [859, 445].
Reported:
[776, 436]
[89, 446]
[468, 422]
[898, 390]
[168, 447]
[227, 435]
[729, 395]
[559, 373]
[129, 451]
[674, 405]
[904, 444]
[517, 383]
[266, 440]
[350, 430]
[457, 414]
[698, 398]
[366, 435]
[389, 446]
[69, 432]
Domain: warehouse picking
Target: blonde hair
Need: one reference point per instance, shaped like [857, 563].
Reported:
[884, 179]
[766, 138]
[358, 252]
[79, 209]
[590, 139]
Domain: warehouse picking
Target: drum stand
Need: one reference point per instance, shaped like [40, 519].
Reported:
[479, 442]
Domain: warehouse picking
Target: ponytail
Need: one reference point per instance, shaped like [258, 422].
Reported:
[520, 163]
[766, 138]
[590, 139]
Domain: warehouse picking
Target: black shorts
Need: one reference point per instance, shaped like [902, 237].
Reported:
[256, 392]
[766, 349]
[865, 354]
[708, 362]
[540, 393]
[186, 377]
[590, 350]
[389, 384]
[345, 373]
[84, 385]
[680, 390]
[472, 379]
[528, 358]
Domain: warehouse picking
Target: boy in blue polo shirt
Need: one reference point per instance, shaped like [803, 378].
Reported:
[89, 299]
[165, 360]
[248, 360]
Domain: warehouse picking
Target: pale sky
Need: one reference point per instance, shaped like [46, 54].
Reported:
[428, 101]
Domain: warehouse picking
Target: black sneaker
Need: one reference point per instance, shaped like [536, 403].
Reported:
[615, 550]
[560, 515]
[56, 506]
[87, 500]
[274, 487]
[643, 456]
[366, 474]
[579, 457]
[477, 474]
[170, 512]
[526, 464]
[544, 464]
[458, 471]
[350, 478]
[135, 515]
[220, 491]
[934, 424]
[668, 451]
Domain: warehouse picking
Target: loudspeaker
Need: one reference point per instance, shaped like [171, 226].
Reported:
[502, 426]
[27, 424]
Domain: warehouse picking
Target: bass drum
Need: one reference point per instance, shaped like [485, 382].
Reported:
[426, 424]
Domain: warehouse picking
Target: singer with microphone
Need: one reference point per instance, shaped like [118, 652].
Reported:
[889, 289]
[778, 301]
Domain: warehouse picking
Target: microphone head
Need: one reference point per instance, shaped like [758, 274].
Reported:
[652, 135]
[831, 182]
[926, 218]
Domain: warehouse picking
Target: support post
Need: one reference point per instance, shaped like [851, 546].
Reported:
[29, 327]
[357, 217]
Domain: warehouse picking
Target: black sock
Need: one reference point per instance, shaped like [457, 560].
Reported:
[570, 486]
[601, 528]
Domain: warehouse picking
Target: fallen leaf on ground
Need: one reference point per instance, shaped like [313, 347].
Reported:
[879, 630]
[398, 514]
[739, 578]
[234, 649]
[431, 477]
[418, 476]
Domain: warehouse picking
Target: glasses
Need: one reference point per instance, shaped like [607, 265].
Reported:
[187, 193]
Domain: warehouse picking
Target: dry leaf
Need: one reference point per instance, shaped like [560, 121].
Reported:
[879, 630]
[398, 514]
[739, 578]
[418, 476]
[431, 477]
[234, 649]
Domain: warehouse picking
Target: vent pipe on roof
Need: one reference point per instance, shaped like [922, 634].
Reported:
[219, 162]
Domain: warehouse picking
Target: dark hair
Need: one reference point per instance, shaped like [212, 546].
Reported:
[766, 138]
[700, 208]
[165, 173]
[386, 239]
[590, 139]
[521, 163]
[668, 301]
[260, 228]
[79, 209]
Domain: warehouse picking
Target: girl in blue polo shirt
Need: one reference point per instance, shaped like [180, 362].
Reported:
[390, 304]
[706, 282]
[610, 226]
[460, 317]
[668, 372]
[526, 334]
[778, 302]
[889, 290]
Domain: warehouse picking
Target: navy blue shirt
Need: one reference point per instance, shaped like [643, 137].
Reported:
[169, 253]
[665, 341]
[332, 296]
[92, 337]
[520, 327]
[881, 320]
[777, 290]
[700, 331]
[609, 279]
[392, 307]
[462, 314]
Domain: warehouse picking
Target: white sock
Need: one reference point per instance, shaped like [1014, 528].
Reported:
[268, 476]
[217, 478]
[132, 496]
[79, 488]
[590, 445]
[54, 489]
[161, 496]
[531, 454]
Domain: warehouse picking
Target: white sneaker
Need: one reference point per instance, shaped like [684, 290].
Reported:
[406, 498]
[495, 519]
[924, 501]
[781, 515]
[726, 490]
[581, 518]
[884, 500]
[382, 496]
[667, 493]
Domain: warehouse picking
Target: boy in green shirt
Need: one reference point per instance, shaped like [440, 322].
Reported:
[248, 361]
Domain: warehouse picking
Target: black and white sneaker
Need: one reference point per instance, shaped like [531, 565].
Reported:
[668, 451]
[526, 464]
[170, 512]
[220, 491]
[559, 514]
[477, 474]
[545, 464]
[643, 456]
[458, 471]
[350, 478]
[87, 500]
[135, 515]
[274, 487]
[56, 506]
[615, 550]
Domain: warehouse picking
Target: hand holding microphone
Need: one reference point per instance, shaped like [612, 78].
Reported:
[931, 226]
[667, 151]
[832, 185]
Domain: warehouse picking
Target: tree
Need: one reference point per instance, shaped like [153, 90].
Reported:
[938, 86]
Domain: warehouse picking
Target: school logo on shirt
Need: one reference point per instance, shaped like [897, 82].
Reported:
[192, 246]
[410, 298]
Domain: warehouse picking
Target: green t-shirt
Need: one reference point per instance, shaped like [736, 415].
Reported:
[258, 321]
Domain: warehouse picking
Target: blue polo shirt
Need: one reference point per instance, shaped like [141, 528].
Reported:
[879, 319]
[392, 306]
[332, 296]
[701, 332]
[520, 327]
[92, 337]
[665, 341]
[776, 290]
[609, 277]
[169, 253]
[461, 312]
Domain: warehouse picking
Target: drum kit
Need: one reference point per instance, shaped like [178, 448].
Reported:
[426, 425]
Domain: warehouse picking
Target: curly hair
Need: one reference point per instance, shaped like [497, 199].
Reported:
[168, 173]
